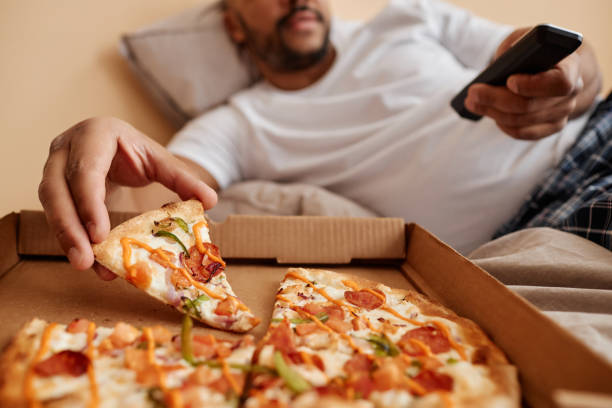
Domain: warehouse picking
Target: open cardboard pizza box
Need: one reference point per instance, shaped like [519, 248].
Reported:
[555, 369]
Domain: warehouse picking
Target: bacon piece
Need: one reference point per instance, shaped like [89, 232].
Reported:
[139, 275]
[307, 328]
[78, 326]
[331, 389]
[431, 336]
[334, 312]
[389, 375]
[338, 325]
[433, 381]
[202, 375]
[313, 308]
[66, 362]
[202, 268]
[204, 346]
[282, 338]
[222, 385]
[227, 307]
[179, 280]
[124, 335]
[161, 334]
[358, 324]
[358, 364]
[136, 359]
[364, 299]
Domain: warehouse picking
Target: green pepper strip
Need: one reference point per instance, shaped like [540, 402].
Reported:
[256, 368]
[162, 233]
[293, 380]
[192, 305]
[181, 223]
[383, 346]
[186, 340]
[323, 317]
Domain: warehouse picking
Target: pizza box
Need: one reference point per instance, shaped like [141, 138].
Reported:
[555, 369]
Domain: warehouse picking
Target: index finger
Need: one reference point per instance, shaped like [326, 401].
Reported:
[561, 80]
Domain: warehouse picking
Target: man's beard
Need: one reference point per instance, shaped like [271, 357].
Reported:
[277, 53]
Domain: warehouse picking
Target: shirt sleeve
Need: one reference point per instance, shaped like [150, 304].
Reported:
[471, 39]
[213, 141]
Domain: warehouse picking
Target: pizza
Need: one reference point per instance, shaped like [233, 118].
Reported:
[82, 365]
[168, 254]
[341, 341]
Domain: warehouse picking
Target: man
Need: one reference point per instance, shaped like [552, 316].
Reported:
[361, 116]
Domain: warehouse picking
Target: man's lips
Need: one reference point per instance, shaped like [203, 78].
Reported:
[302, 20]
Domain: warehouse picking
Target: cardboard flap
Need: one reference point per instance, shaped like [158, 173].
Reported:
[36, 238]
[8, 239]
[530, 340]
[302, 239]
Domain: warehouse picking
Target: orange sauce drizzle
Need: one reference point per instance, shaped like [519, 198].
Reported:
[225, 369]
[415, 386]
[384, 307]
[127, 255]
[306, 357]
[42, 350]
[200, 245]
[93, 385]
[399, 316]
[445, 330]
[446, 399]
[322, 292]
[422, 346]
[323, 326]
[148, 333]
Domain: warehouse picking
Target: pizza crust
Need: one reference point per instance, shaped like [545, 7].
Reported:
[15, 362]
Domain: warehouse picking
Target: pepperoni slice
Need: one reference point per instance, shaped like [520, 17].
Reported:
[364, 299]
[434, 338]
[363, 385]
[359, 363]
[202, 270]
[281, 337]
[66, 362]
[433, 381]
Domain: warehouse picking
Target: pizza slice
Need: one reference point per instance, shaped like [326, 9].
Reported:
[339, 340]
[82, 365]
[168, 254]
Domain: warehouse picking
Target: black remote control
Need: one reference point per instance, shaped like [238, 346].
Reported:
[537, 51]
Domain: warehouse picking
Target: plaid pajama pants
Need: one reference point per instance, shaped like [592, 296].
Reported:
[577, 196]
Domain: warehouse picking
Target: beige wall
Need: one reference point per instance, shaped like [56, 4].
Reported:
[60, 65]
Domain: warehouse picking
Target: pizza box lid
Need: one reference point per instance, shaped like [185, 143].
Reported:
[555, 369]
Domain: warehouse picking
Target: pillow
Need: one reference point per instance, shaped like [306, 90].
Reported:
[187, 62]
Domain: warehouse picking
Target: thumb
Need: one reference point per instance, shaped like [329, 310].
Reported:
[174, 174]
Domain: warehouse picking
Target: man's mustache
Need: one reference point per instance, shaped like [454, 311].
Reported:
[283, 20]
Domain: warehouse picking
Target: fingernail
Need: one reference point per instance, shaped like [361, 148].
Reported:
[91, 230]
[73, 255]
[512, 85]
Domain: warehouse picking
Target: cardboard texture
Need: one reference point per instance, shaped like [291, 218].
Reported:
[36, 282]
